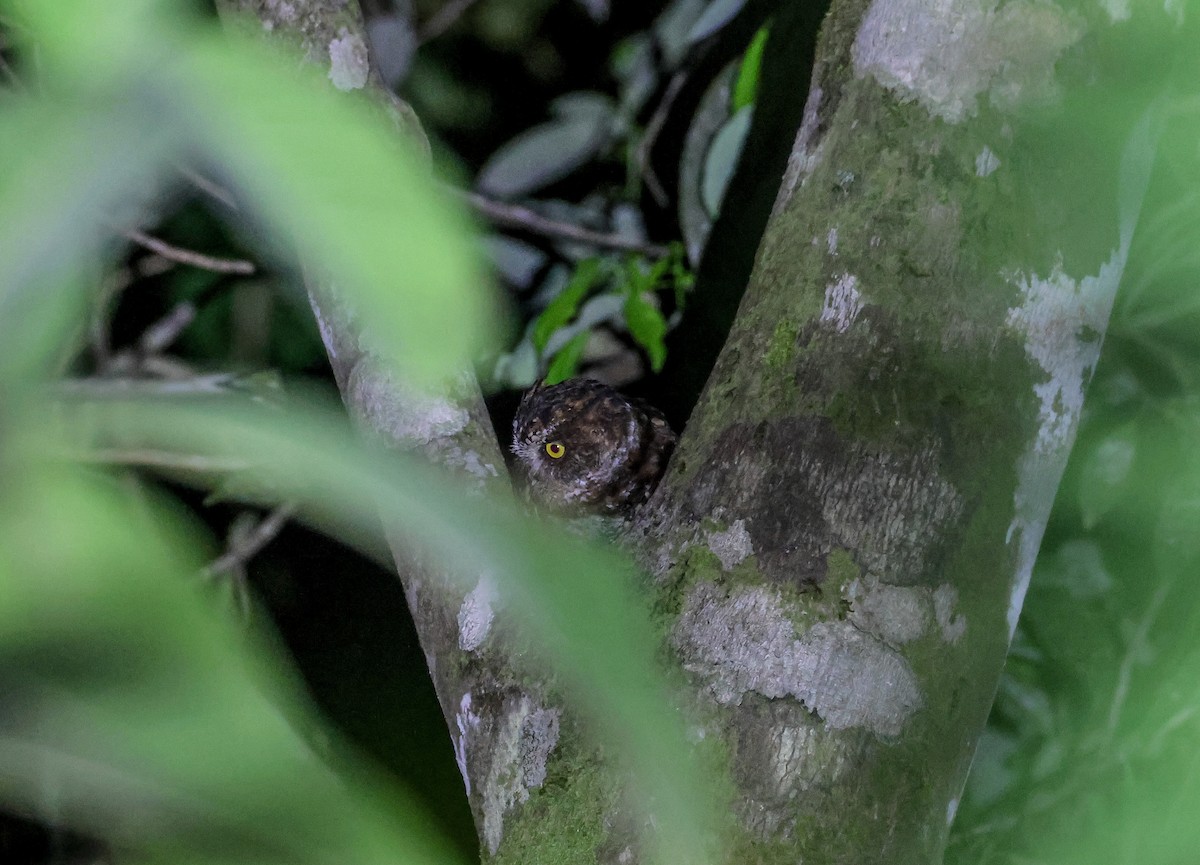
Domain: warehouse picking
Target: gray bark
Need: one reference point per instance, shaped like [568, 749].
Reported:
[844, 537]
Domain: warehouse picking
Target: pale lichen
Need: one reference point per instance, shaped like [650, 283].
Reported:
[895, 614]
[1063, 321]
[523, 738]
[467, 723]
[843, 301]
[986, 162]
[945, 54]
[405, 414]
[348, 61]
[745, 642]
[475, 616]
[731, 546]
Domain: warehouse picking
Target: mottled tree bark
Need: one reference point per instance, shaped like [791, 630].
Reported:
[842, 543]
[849, 525]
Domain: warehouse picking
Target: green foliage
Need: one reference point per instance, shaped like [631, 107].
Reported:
[138, 713]
[1090, 753]
[745, 86]
[613, 293]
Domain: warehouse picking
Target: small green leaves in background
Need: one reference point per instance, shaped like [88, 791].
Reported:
[603, 297]
[562, 308]
[642, 316]
[745, 86]
[1090, 753]
[1104, 473]
[566, 361]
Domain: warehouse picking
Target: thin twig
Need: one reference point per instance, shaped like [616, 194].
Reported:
[1134, 652]
[247, 545]
[210, 187]
[518, 216]
[650, 135]
[190, 257]
[162, 333]
[443, 19]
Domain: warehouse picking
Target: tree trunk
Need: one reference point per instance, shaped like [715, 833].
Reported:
[843, 540]
[848, 527]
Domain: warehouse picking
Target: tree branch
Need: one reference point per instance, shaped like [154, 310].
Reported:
[190, 257]
[519, 216]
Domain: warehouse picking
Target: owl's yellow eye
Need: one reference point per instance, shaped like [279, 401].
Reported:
[555, 450]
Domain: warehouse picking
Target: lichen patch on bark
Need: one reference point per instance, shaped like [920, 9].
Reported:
[732, 545]
[348, 63]
[744, 641]
[508, 745]
[1062, 320]
[895, 614]
[475, 616]
[843, 301]
[946, 54]
[405, 414]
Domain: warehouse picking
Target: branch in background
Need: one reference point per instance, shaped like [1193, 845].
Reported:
[210, 188]
[653, 128]
[443, 19]
[518, 216]
[162, 334]
[190, 257]
[247, 540]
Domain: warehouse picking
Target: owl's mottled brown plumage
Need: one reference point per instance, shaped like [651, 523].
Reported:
[613, 449]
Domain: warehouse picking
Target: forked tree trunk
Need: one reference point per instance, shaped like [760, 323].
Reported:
[843, 540]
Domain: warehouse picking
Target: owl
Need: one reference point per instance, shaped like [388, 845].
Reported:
[583, 448]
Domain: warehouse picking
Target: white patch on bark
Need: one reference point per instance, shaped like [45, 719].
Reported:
[843, 302]
[470, 462]
[986, 162]
[405, 414]
[732, 546]
[804, 157]
[746, 642]
[1063, 322]
[831, 240]
[895, 614]
[348, 64]
[539, 735]
[951, 810]
[945, 599]
[523, 739]
[467, 723]
[475, 615]
[945, 54]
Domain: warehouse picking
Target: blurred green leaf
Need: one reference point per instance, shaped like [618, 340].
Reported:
[745, 86]
[1104, 474]
[135, 714]
[564, 306]
[722, 157]
[647, 326]
[70, 175]
[331, 175]
[566, 360]
[578, 604]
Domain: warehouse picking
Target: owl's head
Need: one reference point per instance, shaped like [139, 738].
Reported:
[583, 447]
